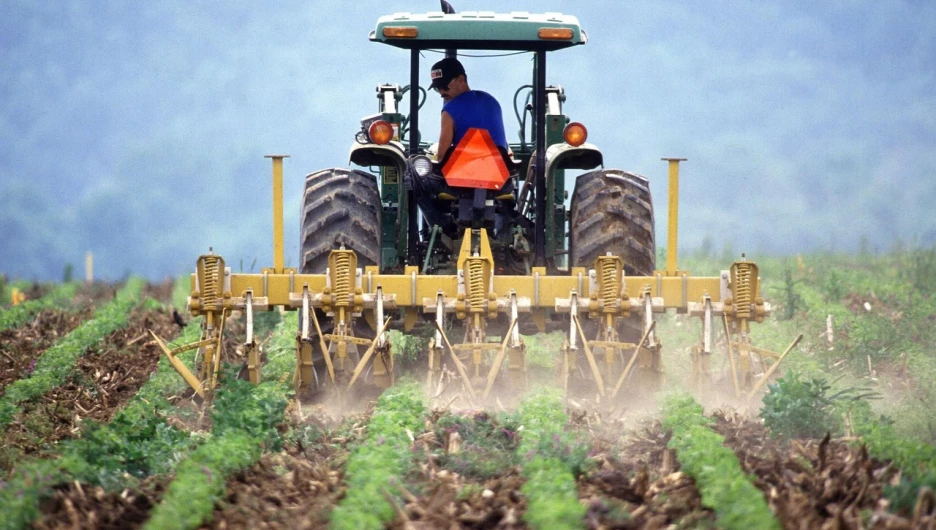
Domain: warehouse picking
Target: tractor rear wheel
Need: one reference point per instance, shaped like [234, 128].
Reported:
[612, 211]
[339, 207]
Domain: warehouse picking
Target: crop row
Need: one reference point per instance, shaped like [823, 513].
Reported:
[18, 315]
[136, 443]
[915, 459]
[54, 365]
[244, 425]
[702, 454]
[552, 458]
[383, 455]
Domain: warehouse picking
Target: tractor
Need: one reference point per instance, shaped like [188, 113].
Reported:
[500, 253]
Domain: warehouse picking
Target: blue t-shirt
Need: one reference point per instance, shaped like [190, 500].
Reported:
[477, 109]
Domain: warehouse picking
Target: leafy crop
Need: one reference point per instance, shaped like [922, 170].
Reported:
[135, 444]
[384, 454]
[407, 347]
[552, 458]
[245, 421]
[916, 460]
[488, 444]
[718, 474]
[57, 362]
[806, 408]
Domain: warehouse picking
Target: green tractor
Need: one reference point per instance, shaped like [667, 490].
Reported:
[372, 212]
[525, 226]
[503, 253]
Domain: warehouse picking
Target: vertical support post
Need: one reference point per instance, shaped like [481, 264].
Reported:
[539, 239]
[278, 253]
[672, 225]
[89, 267]
[412, 226]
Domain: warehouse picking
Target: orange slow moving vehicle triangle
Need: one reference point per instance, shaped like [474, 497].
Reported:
[476, 163]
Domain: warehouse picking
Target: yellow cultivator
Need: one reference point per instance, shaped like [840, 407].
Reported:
[488, 306]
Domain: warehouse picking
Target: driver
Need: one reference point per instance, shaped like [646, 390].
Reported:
[464, 108]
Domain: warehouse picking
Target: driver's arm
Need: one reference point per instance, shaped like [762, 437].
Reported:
[446, 135]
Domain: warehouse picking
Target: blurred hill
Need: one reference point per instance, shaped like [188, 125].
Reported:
[137, 130]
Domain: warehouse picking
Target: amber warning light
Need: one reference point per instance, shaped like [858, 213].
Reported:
[400, 32]
[555, 33]
[575, 134]
[380, 132]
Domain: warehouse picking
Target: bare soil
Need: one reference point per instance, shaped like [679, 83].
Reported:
[74, 505]
[20, 347]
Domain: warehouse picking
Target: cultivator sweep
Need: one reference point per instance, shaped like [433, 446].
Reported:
[495, 252]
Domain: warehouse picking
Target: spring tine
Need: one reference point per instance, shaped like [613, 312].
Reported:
[458, 364]
[495, 368]
[630, 364]
[367, 355]
[318, 329]
[731, 359]
[591, 358]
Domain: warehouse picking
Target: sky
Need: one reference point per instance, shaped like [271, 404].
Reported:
[137, 130]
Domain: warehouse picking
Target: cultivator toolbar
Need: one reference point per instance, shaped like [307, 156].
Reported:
[598, 305]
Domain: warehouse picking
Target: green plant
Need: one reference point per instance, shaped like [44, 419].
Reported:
[543, 350]
[834, 287]
[136, 443]
[718, 474]
[487, 444]
[551, 459]
[245, 422]
[383, 456]
[921, 271]
[200, 480]
[788, 294]
[807, 408]
[19, 314]
[265, 322]
[903, 496]
[408, 347]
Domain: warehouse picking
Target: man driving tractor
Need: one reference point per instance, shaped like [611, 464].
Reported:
[463, 110]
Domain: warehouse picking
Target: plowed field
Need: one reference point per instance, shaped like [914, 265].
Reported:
[463, 468]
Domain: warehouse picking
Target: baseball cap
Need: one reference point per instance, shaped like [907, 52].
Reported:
[444, 71]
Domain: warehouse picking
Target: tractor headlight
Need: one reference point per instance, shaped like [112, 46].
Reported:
[421, 165]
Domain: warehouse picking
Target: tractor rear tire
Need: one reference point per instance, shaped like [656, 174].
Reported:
[612, 211]
[339, 207]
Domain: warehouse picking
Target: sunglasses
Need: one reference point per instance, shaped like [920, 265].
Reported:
[444, 88]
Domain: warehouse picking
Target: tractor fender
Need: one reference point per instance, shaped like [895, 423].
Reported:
[565, 156]
[392, 154]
